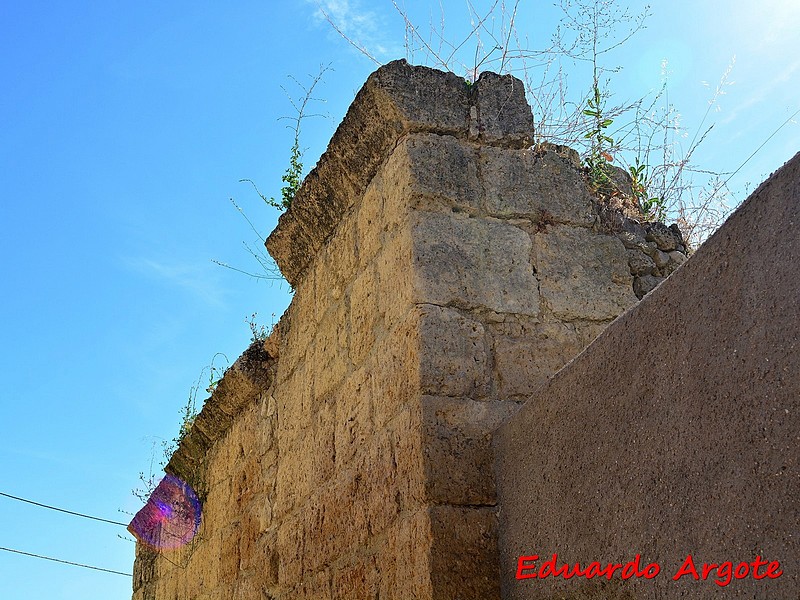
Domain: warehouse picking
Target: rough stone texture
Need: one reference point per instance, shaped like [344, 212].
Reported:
[442, 271]
[583, 275]
[396, 100]
[675, 432]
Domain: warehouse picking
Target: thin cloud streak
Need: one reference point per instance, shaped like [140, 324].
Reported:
[194, 279]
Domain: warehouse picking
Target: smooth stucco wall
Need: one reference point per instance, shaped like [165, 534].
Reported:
[676, 432]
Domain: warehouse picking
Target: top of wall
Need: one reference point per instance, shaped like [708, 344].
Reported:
[396, 100]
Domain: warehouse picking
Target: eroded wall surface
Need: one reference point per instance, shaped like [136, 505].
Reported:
[676, 432]
[443, 270]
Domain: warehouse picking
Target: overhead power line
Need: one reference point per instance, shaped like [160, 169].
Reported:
[69, 512]
[66, 562]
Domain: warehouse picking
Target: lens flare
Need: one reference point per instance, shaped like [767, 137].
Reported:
[171, 517]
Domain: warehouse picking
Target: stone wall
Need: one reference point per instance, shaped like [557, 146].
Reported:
[443, 270]
[675, 433]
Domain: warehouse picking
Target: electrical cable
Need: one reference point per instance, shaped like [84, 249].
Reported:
[69, 512]
[66, 562]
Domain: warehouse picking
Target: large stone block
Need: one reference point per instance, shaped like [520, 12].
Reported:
[453, 355]
[464, 562]
[426, 167]
[473, 263]
[503, 114]
[539, 185]
[394, 370]
[405, 559]
[353, 425]
[363, 316]
[457, 435]
[582, 274]
[522, 364]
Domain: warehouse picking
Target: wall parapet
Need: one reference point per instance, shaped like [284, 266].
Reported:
[244, 382]
[396, 100]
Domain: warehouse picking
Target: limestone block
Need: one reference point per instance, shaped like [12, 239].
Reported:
[363, 314]
[256, 520]
[343, 525]
[382, 494]
[372, 220]
[522, 364]
[331, 351]
[395, 370]
[583, 274]
[338, 264]
[405, 560]
[353, 423]
[540, 185]
[356, 581]
[464, 562]
[229, 553]
[319, 548]
[293, 481]
[453, 355]
[322, 447]
[473, 263]
[405, 432]
[430, 166]
[396, 280]
[317, 587]
[457, 448]
[503, 113]
[290, 551]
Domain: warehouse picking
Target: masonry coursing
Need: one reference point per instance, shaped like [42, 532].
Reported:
[443, 270]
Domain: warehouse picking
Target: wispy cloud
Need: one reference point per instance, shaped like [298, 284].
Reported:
[361, 27]
[198, 280]
[764, 92]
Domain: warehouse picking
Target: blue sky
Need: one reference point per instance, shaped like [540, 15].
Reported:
[125, 129]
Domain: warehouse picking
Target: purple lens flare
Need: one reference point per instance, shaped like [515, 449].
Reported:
[171, 517]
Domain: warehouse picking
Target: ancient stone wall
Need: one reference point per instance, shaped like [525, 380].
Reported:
[443, 270]
[676, 433]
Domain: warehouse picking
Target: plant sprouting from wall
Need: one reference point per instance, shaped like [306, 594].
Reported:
[162, 450]
[293, 176]
[641, 137]
[291, 179]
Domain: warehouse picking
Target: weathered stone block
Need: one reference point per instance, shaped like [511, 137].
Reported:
[503, 114]
[396, 280]
[323, 448]
[453, 355]
[331, 349]
[542, 186]
[583, 275]
[357, 581]
[408, 577]
[640, 263]
[290, 544]
[522, 364]
[405, 432]
[473, 263]
[464, 562]
[353, 424]
[379, 471]
[427, 166]
[394, 370]
[456, 442]
[363, 315]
